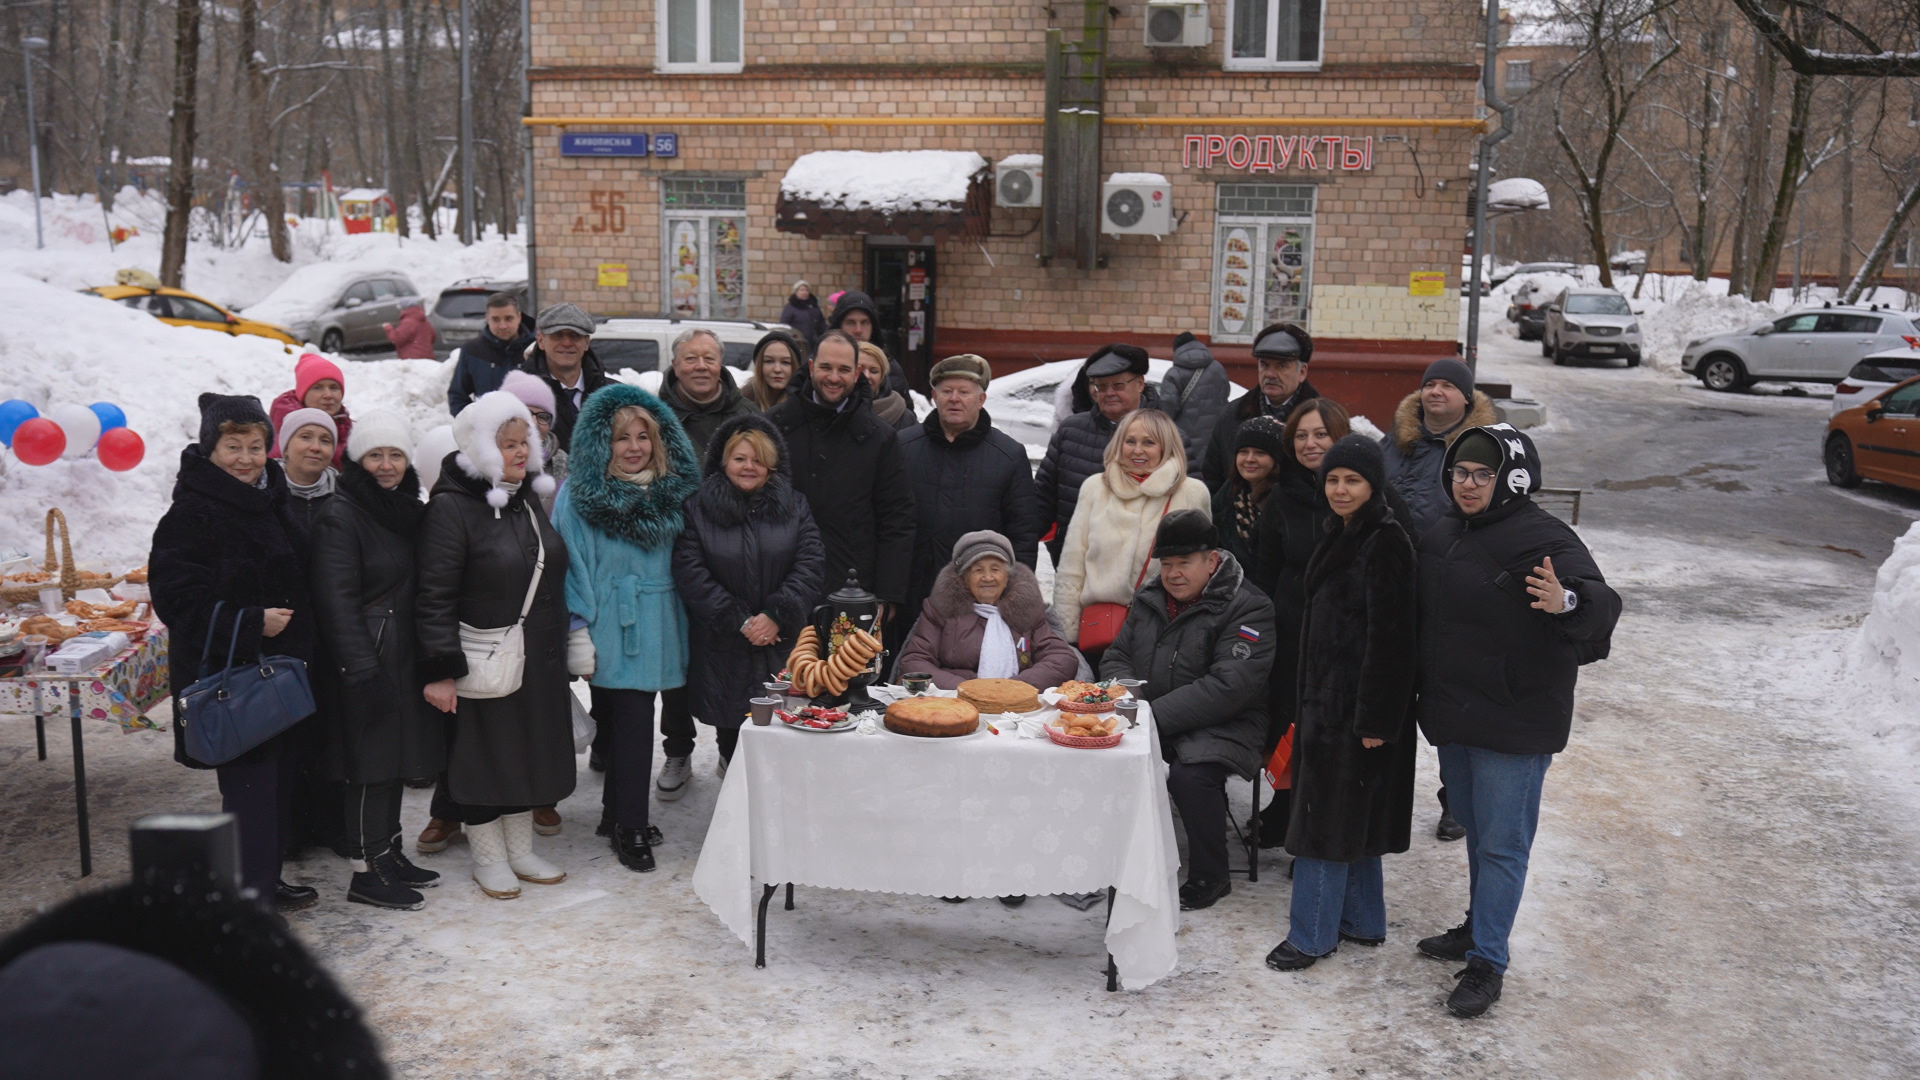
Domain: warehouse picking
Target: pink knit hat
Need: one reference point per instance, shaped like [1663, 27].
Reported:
[310, 369]
[532, 390]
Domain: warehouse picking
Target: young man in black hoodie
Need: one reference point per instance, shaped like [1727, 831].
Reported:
[857, 317]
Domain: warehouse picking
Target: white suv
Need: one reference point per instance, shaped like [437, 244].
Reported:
[1807, 345]
[647, 344]
[1590, 322]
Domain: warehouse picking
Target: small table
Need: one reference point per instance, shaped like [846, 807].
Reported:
[980, 816]
[120, 690]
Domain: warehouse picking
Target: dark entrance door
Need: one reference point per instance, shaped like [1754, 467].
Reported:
[900, 278]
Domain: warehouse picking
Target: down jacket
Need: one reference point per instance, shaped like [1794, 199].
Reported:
[378, 725]
[1206, 671]
[946, 640]
[1077, 450]
[620, 539]
[1357, 666]
[741, 555]
[1496, 672]
[1194, 392]
[699, 420]
[1112, 537]
[483, 364]
[1217, 467]
[412, 336]
[981, 480]
[228, 543]
[1416, 458]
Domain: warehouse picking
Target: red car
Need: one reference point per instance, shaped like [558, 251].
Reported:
[1877, 440]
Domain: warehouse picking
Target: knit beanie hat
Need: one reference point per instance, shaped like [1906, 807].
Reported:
[376, 429]
[300, 418]
[531, 389]
[1479, 447]
[1262, 433]
[1283, 341]
[1362, 455]
[1453, 371]
[1184, 532]
[310, 369]
[964, 366]
[218, 409]
[974, 546]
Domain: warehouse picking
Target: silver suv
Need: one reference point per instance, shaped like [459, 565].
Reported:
[1590, 322]
[1807, 345]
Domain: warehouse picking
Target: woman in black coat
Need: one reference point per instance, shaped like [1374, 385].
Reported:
[1353, 752]
[381, 730]
[1258, 457]
[749, 565]
[478, 549]
[802, 312]
[229, 556]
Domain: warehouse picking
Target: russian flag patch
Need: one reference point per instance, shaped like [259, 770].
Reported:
[1249, 633]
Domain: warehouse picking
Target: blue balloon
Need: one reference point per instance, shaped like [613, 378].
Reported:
[12, 414]
[110, 415]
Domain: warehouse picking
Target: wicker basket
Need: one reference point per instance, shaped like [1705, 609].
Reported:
[1084, 742]
[66, 576]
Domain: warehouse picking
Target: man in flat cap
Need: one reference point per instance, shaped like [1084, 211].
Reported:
[1281, 353]
[562, 354]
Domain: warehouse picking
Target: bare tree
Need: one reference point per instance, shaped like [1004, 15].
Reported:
[1797, 39]
[269, 196]
[186, 74]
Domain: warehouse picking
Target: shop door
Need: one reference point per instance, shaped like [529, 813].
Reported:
[901, 282]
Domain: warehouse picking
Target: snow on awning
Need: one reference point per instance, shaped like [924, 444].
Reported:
[915, 192]
[1516, 194]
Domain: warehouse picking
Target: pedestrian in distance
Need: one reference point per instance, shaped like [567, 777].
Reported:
[380, 730]
[486, 358]
[802, 312]
[317, 384]
[411, 337]
[1511, 605]
[1111, 384]
[1353, 748]
[487, 558]
[620, 514]
[1281, 353]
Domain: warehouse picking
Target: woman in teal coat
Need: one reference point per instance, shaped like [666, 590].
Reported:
[629, 470]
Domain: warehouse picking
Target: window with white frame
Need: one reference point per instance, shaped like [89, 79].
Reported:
[700, 35]
[1273, 35]
[703, 247]
[1519, 75]
[1262, 258]
[1903, 251]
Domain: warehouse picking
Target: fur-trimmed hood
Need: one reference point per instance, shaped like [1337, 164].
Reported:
[479, 456]
[1408, 429]
[1021, 605]
[649, 515]
[728, 505]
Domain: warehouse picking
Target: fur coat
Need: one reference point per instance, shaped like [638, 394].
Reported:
[1114, 522]
[946, 640]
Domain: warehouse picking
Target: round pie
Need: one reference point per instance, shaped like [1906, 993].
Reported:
[932, 717]
[1000, 695]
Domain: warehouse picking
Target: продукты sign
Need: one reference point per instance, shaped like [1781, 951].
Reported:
[1272, 153]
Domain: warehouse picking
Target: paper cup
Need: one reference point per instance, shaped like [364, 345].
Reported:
[763, 710]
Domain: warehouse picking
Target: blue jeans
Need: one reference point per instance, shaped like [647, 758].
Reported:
[1497, 797]
[1331, 898]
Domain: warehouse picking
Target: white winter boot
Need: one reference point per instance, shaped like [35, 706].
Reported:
[490, 868]
[526, 865]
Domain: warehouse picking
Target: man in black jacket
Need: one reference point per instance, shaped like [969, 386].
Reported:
[858, 317]
[1511, 604]
[1115, 377]
[498, 349]
[1201, 636]
[562, 355]
[847, 462]
[1281, 353]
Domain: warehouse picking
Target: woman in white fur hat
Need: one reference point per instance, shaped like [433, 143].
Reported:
[488, 558]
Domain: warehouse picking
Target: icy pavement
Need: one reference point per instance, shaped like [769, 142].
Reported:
[1723, 884]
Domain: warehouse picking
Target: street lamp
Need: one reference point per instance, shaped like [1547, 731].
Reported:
[27, 45]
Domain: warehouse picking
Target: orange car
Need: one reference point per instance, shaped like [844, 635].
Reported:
[1878, 440]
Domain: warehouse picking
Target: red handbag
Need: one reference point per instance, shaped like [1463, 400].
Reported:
[1100, 623]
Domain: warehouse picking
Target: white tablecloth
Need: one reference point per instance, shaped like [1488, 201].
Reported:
[986, 815]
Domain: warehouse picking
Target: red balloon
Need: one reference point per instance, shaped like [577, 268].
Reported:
[120, 449]
[39, 441]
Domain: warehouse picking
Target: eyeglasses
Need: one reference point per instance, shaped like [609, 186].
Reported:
[1472, 477]
[1114, 386]
[542, 415]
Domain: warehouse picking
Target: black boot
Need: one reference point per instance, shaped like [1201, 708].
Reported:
[635, 852]
[377, 885]
[605, 829]
[1274, 818]
[1448, 829]
[1285, 957]
[402, 869]
[1479, 988]
[1452, 945]
[294, 897]
[1196, 895]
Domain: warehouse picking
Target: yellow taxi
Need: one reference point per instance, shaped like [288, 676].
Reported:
[182, 308]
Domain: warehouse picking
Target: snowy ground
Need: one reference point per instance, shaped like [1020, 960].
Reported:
[1725, 881]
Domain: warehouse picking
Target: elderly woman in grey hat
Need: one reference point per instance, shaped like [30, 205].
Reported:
[985, 619]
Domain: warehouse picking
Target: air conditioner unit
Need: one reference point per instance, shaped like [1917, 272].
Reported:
[1016, 180]
[1180, 24]
[1136, 204]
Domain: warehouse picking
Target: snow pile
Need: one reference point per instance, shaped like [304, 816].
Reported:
[81, 349]
[1517, 193]
[1666, 328]
[1882, 666]
[892, 181]
[1022, 161]
[1138, 179]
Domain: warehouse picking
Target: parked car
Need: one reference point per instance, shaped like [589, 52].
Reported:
[460, 313]
[1806, 345]
[1502, 276]
[1590, 322]
[1879, 440]
[1874, 374]
[352, 316]
[1023, 403]
[177, 307]
[1527, 310]
[646, 344]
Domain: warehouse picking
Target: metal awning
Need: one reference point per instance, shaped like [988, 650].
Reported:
[903, 192]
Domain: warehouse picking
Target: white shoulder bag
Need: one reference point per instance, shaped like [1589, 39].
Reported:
[497, 659]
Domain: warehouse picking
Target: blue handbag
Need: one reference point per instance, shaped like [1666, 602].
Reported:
[229, 713]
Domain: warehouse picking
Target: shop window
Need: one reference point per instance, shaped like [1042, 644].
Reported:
[1269, 35]
[704, 247]
[1902, 253]
[1519, 76]
[1263, 258]
[700, 35]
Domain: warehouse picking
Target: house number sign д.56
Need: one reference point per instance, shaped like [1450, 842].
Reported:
[1272, 153]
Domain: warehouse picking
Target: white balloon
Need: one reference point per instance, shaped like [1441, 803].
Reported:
[82, 428]
[432, 448]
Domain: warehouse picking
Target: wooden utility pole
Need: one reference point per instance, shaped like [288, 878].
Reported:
[269, 197]
[1070, 184]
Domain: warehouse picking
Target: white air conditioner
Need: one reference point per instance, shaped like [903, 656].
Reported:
[1136, 204]
[1016, 181]
[1180, 24]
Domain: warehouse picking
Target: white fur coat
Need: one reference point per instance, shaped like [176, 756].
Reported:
[1112, 535]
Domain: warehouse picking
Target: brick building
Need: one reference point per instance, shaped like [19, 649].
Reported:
[1302, 147]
